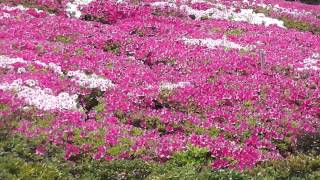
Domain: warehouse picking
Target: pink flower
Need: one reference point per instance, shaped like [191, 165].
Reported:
[40, 150]
[219, 163]
[71, 150]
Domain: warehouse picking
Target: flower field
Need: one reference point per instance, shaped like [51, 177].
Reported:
[225, 84]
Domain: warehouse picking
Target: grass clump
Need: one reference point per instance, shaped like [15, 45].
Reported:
[300, 25]
[63, 39]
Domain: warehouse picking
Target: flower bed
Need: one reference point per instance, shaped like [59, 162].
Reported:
[150, 80]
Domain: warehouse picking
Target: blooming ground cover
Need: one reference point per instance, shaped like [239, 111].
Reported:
[235, 81]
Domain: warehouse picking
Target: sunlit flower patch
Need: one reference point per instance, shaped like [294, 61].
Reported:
[149, 79]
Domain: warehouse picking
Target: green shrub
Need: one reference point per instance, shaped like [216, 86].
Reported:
[63, 39]
[293, 167]
[309, 143]
[12, 167]
[117, 169]
[194, 156]
[235, 32]
[300, 25]
[18, 160]
[113, 47]
[192, 172]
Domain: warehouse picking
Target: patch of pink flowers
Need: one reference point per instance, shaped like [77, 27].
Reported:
[131, 80]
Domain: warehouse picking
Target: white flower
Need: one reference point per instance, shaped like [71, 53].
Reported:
[171, 86]
[163, 4]
[90, 81]
[31, 82]
[5, 61]
[56, 68]
[41, 63]
[19, 7]
[212, 43]
[220, 11]
[4, 15]
[41, 98]
[21, 70]
[73, 7]
[311, 62]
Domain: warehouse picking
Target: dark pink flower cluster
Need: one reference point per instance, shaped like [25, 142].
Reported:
[147, 80]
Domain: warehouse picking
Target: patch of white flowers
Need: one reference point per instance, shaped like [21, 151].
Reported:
[81, 78]
[213, 43]
[90, 81]
[310, 63]
[73, 7]
[21, 70]
[54, 67]
[220, 11]
[278, 8]
[164, 4]
[4, 15]
[19, 7]
[251, 17]
[12, 8]
[171, 86]
[41, 98]
[6, 62]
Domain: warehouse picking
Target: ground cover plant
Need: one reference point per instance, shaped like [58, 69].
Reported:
[146, 89]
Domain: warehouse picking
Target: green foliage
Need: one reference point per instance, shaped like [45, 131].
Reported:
[171, 171]
[18, 160]
[309, 143]
[63, 39]
[91, 101]
[235, 32]
[192, 172]
[252, 121]
[94, 138]
[12, 167]
[3, 107]
[117, 169]
[100, 107]
[194, 155]
[248, 104]
[79, 51]
[293, 167]
[262, 10]
[283, 146]
[300, 25]
[116, 150]
[293, 23]
[213, 132]
[32, 4]
[152, 122]
[136, 132]
[119, 114]
[138, 32]
[90, 17]
[158, 12]
[113, 47]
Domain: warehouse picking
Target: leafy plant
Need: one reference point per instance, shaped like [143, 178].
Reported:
[299, 25]
[113, 47]
[63, 39]
[294, 167]
[193, 155]
[235, 32]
